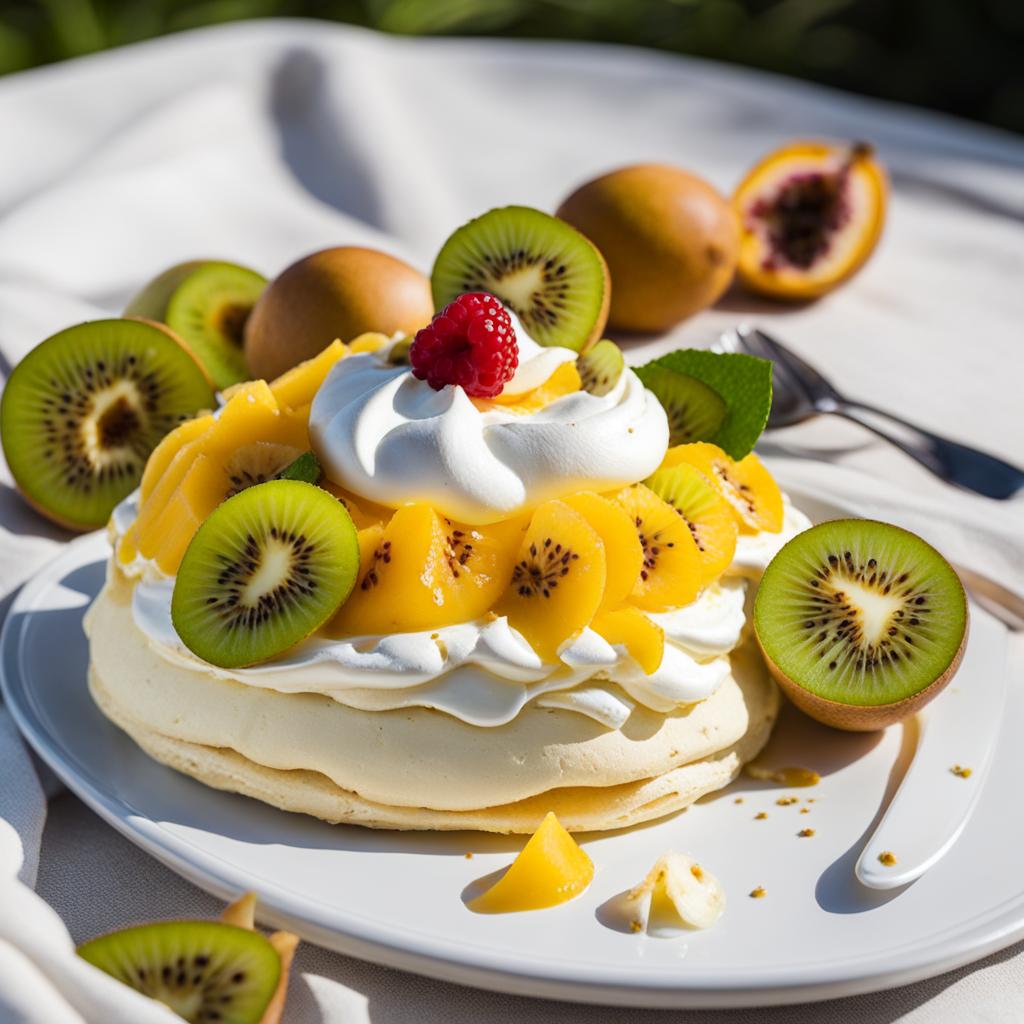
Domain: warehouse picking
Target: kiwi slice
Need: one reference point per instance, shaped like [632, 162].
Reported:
[707, 514]
[861, 622]
[83, 410]
[257, 462]
[204, 971]
[695, 411]
[208, 303]
[267, 568]
[398, 353]
[545, 271]
[601, 367]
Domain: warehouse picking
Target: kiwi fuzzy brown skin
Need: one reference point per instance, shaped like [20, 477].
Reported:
[670, 240]
[862, 718]
[336, 293]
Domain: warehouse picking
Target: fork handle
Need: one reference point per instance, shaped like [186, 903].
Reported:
[951, 461]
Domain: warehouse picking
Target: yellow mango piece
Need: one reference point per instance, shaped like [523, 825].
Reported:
[173, 508]
[369, 341]
[164, 452]
[426, 572]
[550, 869]
[364, 512]
[642, 638]
[297, 386]
[564, 381]
[199, 493]
[623, 553]
[558, 581]
[156, 502]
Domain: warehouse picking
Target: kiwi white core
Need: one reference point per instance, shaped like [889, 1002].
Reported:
[274, 569]
[519, 287]
[114, 419]
[875, 611]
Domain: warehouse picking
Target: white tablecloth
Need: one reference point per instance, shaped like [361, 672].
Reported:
[264, 141]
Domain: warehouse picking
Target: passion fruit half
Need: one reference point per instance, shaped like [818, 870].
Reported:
[810, 215]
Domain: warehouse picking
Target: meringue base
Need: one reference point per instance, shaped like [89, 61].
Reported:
[579, 809]
[416, 768]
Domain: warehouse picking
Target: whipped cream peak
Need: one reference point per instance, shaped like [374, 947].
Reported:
[383, 434]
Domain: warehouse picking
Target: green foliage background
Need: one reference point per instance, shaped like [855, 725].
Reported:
[962, 56]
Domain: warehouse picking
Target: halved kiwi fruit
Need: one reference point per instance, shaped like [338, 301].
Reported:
[266, 570]
[545, 271]
[83, 410]
[207, 302]
[205, 971]
[695, 411]
[862, 623]
[601, 367]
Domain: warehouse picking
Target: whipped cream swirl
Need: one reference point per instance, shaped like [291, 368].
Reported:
[389, 437]
[484, 672]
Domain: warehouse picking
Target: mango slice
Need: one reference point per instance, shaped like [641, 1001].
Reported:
[642, 638]
[297, 386]
[423, 571]
[558, 580]
[624, 556]
[203, 461]
[550, 869]
[564, 381]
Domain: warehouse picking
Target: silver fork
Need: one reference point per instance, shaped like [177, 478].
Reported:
[800, 392]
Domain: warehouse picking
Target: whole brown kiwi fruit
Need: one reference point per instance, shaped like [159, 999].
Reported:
[335, 293]
[670, 240]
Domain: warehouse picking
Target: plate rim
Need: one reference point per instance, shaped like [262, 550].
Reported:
[462, 963]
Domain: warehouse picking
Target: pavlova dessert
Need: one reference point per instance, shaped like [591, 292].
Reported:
[450, 581]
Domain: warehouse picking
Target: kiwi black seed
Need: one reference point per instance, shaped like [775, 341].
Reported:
[601, 367]
[205, 971]
[545, 271]
[862, 622]
[694, 410]
[546, 563]
[264, 571]
[206, 302]
[83, 410]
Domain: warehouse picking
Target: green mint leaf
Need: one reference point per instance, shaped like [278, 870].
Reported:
[743, 382]
[305, 468]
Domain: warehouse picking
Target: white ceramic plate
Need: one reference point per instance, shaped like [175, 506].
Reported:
[395, 898]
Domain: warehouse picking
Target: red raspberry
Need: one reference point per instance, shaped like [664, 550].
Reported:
[471, 343]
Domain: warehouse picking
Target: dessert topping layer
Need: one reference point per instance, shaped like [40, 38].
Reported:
[389, 437]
